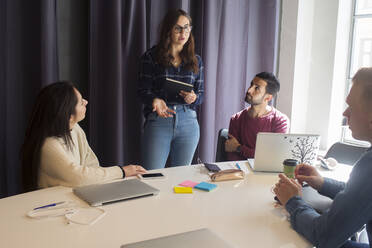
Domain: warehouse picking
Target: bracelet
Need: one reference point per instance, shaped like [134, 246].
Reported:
[121, 168]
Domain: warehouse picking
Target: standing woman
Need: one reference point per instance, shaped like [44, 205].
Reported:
[56, 150]
[171, 127]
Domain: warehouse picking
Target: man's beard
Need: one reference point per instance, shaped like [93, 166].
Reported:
[253, 102]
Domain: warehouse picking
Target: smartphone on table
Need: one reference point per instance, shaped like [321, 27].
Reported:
[212, 167]
[152, 176]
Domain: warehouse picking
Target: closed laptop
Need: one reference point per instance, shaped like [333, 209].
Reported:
[201, 238]
[99, 194]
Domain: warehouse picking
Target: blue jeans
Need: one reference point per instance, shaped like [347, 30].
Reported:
[176, 137]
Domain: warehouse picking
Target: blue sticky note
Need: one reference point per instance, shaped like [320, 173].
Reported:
[205, 186]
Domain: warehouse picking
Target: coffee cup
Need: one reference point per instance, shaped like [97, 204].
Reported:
[289, 166]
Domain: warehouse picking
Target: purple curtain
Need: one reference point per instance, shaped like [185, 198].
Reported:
[28, 61]
[117, 39]
[238, 41]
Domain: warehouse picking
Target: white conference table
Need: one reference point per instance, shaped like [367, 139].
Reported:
[242, 212]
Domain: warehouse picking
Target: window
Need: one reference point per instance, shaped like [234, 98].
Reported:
[361, 50]
[361, 43]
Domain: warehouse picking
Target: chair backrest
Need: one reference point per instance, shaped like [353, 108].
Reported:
[345, 153]
[220, 152]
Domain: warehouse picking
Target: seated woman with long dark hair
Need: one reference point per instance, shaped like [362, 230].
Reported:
[56, 150]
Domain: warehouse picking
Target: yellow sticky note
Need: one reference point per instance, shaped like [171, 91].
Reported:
[182, 190]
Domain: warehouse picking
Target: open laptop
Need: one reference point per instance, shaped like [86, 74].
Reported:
[201, 238]
[273, 148]
[99, 194]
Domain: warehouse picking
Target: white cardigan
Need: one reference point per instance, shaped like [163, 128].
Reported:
[61, 166]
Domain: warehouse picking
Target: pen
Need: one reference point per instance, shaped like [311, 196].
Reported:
[50, 205]
[237, 165]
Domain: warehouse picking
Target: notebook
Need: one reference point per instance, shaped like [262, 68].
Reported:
[173, 87]
[201, 238]
[273, 148]
[99, 194]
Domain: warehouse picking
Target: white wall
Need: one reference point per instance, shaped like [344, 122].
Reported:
[312, 65]
[287, 53]
[339, 89]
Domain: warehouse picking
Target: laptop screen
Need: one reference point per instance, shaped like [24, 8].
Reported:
[273, 148]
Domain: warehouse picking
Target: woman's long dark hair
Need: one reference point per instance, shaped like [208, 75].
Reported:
[50, 117]
[164, 56]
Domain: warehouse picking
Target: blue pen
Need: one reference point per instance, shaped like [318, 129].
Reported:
[237, 165]
[50, 205]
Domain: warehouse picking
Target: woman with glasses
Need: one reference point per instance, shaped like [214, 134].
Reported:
[171, 128]
[56, 151]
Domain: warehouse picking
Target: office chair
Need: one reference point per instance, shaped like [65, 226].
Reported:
[220, 152]
[345, 153]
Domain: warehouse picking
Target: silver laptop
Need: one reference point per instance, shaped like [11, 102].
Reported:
[201, 238]
[273, 148]
[99, 194]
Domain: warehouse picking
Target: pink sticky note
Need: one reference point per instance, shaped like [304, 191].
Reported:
[188, 183]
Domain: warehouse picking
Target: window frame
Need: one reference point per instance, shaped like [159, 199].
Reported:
[346, 133]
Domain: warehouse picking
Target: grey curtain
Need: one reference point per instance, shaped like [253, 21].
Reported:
[236, 39]
[28, 61]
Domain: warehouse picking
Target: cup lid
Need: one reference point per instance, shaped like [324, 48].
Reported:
[290, 162]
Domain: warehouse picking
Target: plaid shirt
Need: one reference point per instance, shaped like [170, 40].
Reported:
[152, 76]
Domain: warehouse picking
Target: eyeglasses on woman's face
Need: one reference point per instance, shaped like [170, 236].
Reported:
[186, 29]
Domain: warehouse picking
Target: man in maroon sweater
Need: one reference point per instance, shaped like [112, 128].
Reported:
[259, 117]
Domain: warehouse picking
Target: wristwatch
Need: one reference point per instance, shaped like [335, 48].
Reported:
[239, 149]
